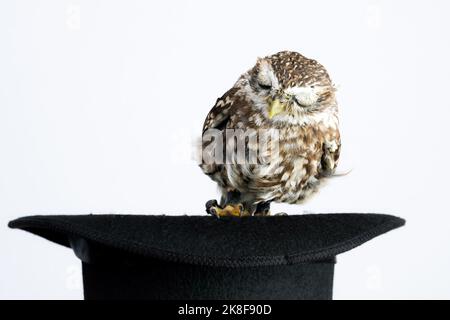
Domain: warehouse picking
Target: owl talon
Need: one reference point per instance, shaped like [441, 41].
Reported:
[230, 210]
[212, 207]
[214, 211]
[211, 203]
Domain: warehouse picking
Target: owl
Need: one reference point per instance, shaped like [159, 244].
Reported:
[291, 99]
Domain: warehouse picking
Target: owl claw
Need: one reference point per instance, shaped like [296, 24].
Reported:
[212, 207]
[211, 203]
[230, 210]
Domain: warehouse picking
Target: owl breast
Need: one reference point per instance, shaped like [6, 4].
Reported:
[293, 171]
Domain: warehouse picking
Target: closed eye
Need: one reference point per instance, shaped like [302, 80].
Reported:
[305, 99]
[263, 81]
[324, 96]
[264, 86]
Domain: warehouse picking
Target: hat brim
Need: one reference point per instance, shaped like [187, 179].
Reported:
[205, 240]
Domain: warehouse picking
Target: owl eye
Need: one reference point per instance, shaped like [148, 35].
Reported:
[264, 83]
[306, 99]
[263, 80]
[265, 86]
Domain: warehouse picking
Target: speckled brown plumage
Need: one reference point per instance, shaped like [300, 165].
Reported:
[309, 140]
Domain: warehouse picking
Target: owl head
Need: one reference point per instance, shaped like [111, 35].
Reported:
[288, 87]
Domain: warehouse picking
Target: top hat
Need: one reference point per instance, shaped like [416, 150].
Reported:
[202, 257]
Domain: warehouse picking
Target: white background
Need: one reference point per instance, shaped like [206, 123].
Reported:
[100, 102]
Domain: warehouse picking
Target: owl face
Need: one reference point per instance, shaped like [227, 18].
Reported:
[287, 86]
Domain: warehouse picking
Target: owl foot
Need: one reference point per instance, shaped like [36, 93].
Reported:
[229, 210]
[262, 209]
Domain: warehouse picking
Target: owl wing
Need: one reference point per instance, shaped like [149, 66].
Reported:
[218, 119]
[219, 115]
[331, 150]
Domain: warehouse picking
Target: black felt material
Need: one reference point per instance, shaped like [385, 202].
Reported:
[159, 280]
[201, 257]
[205, 240]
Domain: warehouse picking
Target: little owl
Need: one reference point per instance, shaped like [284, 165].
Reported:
[292, 96]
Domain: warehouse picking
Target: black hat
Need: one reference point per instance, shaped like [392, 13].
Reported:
[202, 257]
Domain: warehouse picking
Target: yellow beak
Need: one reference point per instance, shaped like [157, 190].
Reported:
[275, 108]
